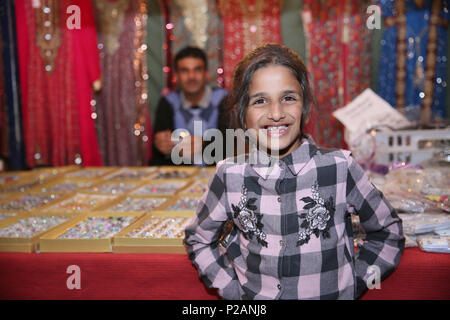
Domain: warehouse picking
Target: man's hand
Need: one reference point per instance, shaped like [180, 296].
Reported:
[163, 142]
[191, 145]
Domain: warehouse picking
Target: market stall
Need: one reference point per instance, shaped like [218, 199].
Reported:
[108, 109]
[129, 244]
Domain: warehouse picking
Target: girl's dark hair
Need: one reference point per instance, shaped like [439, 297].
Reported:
[268, 54]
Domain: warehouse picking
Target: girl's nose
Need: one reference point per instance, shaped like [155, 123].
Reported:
[276, 112]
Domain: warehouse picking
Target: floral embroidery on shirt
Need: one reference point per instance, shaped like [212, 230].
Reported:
[317, 216]
[249, 220]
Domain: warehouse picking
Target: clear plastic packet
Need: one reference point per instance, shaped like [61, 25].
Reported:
[434, 244]
[402, 204]
[416, 190]
[443, 233]
[410, 241]
[424, 222]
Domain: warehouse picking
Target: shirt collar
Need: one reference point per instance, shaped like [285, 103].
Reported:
[203, 103]
[266, 166]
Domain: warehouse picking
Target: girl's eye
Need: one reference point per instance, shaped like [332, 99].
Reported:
[289, 98]
[258, 101]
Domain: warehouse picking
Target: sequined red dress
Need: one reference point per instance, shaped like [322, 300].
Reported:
[57, 68]
[338, 59]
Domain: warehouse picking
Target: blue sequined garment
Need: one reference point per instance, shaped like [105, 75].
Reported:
[417, 21]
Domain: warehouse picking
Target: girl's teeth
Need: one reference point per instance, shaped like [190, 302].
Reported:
[277, 128]
[276, 131]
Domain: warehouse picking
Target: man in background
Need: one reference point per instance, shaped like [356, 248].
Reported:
[194, 100]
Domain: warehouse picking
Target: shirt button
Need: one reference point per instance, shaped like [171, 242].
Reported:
[279, 199]
[279, 286]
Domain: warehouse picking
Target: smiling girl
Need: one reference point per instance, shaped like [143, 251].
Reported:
[292, 232]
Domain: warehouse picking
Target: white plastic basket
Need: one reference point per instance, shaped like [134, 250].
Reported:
[412, 146]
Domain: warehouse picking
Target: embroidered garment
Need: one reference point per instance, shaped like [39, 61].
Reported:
[338, 60]
[58, 66]
[123, 121]
[292, 235]
[247, 25]
[407, 63]
[197, 23]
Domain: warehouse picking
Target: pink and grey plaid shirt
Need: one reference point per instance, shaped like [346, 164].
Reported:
[292, 235]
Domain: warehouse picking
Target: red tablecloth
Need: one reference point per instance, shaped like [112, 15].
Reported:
[420, 275]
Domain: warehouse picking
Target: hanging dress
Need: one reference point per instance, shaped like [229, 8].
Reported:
[414, 55]
[338, 60]
[58, 66]
[247, 25]
[121, 107]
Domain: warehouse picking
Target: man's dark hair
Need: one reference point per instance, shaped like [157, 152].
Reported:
[191, 52]
[268, 54]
